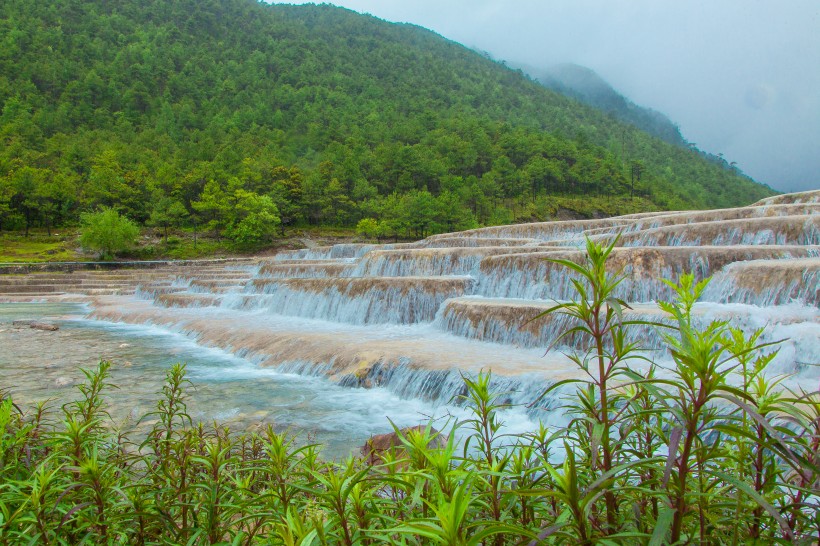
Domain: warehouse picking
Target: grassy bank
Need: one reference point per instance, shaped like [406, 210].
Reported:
[64, 245]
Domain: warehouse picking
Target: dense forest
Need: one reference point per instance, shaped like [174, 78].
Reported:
[583, 84]
[231, 113]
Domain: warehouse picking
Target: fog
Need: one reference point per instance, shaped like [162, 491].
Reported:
[740, 77]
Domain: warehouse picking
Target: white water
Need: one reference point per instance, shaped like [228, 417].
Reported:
[356, 302]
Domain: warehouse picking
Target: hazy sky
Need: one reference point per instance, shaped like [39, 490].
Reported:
[740, 77]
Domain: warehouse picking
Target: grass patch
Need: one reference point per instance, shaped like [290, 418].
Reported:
[39, 247]
[64, 246]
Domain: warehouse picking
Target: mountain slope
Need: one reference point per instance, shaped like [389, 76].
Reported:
[332, 115]
[587, 86]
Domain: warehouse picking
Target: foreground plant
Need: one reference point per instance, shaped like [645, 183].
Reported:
[648, 454]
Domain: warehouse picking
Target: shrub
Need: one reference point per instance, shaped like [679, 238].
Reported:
[107, 232]
[367, 227]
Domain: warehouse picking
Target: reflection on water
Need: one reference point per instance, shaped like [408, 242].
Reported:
[37, 365]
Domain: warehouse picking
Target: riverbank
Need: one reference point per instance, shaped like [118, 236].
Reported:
[63, 245]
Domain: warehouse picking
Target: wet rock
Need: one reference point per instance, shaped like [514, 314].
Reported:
[45, 326]
[379, 444]
[37, 325]
[258, 427]
[23, 323]
[63, 381]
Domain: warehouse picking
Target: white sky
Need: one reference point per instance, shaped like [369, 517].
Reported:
[740, 77]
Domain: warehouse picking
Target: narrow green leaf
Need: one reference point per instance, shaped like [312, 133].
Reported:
[662, 526]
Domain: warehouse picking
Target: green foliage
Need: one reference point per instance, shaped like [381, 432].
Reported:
[649, 456]
[367, 227]
[107, 232]
[254, 218]
[129, 105]
[627, 415]
[167, 213]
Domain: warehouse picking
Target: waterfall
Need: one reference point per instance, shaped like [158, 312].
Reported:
[301, 269]
[785, 230]
[430, 261]
[454, 242]
[533, 276]
[541, 231]
[511, 322]
[767, 282]
[722, 215]
[372, 300]
[335, 252]
[412, 317]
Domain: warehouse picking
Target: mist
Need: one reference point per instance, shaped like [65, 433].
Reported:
[740, 77]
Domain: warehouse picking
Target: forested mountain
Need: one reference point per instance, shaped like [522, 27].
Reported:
[585, 85]
[226, 112]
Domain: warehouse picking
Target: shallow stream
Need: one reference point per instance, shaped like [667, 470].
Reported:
[38, 365]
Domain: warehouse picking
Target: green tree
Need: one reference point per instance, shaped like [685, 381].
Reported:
[7, 212]
[419, 208]
[167, 212]
[636, 170]
[314, 199]
[254, 221]
[212, 205]
[26, 181]
[337, 204]
[367, 227]
[107, 184]
[53, 197]
[394, 218]
[107, 232]
[286, 192]
[451, 214]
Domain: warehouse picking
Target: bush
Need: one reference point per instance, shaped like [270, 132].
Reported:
[367, 227]
[107, 232]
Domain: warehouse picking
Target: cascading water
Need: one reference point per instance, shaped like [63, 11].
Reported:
[533, 276]
[445, 261]
[786, 230]
[408, 319]
[370, 300]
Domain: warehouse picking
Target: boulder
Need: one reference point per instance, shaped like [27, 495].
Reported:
[47, 326]
[373, 449]
[37, 325]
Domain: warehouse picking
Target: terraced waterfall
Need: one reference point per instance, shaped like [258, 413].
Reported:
[409, 318]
